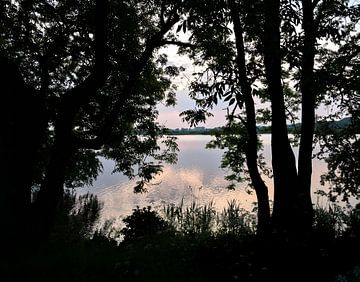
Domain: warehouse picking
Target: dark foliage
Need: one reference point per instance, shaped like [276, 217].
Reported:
[143, 223]
[152, 253]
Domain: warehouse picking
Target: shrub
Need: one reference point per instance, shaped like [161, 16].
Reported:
[354, 222]
[330, 222]
[142, 223]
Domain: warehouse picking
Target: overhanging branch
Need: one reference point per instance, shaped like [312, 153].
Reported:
[178, 43]
[81, 94]
[110, 119]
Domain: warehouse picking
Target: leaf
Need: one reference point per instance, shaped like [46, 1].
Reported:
[178, 28]
[184, 26]
[232, 101]
[215, 99]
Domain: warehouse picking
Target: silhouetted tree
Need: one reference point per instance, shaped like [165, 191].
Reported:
[339, 141]
[81, 81]
[280, 44]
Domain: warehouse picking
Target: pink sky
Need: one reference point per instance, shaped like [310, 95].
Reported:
[171, 119]
[169, 116]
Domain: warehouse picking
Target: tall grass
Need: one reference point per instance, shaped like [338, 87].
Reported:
[78, 217]
[235, 220]
[333, 221]
[196, 220]
[191, 220]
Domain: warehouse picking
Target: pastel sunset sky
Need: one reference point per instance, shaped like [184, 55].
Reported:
[169, 116]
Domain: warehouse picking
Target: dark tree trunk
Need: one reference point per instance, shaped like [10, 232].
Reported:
[252, 141]
[23, 124]
[308, 115]
[283, 159]
[49, 199]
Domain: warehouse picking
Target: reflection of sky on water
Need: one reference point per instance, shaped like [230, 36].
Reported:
[196, 177]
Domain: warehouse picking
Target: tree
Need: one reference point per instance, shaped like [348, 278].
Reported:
[87, 70]
[227, 76]
[286, 37]
[283, 159]
[339, 140]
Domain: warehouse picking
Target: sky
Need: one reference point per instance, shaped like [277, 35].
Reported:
[169, 116]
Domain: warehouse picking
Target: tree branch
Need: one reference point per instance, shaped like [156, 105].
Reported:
[162, 14]
[178, 43]
[110, 119]
[81, 94]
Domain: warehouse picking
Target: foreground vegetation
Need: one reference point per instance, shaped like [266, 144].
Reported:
[82, 81]
[193, 243]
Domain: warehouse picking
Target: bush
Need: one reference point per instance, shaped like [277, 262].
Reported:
[354, 223]
[330, 222]
[143, 223]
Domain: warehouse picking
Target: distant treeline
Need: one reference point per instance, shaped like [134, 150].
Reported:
[193, 131]
[292, 128]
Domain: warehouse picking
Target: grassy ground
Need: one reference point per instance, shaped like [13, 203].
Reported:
[190, 244]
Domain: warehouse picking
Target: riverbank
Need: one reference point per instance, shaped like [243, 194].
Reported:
[185, 245]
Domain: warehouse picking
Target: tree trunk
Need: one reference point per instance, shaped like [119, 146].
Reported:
[308, 115]
[283, 159]
[252, 141]
[49, 199]
[23, 123]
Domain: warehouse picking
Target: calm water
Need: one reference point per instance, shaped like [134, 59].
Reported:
[196, 177]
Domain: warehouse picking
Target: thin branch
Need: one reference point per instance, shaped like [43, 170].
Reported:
[178, 43]
[162, 14]
[292, 117]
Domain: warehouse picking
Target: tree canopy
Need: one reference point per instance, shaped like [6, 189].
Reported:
[89, 76]
[277, 62]
[81, 80]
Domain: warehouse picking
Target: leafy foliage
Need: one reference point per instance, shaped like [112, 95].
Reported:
[231, 250]
[142, 223]
[330, 222]
[234, 139]
[335, 36]
[340, 90]
[343, 167]
[55, 47]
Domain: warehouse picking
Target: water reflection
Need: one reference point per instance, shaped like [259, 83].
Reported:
[196, 177]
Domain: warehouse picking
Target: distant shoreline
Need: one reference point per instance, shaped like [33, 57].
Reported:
[292, 128]
[206, 131]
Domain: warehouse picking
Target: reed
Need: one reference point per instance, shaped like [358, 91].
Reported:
[197, 220]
